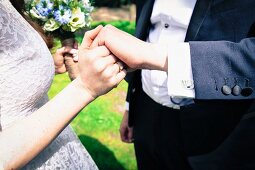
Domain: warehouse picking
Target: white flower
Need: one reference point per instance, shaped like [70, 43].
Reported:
[77, 20]
[51, 25]
[85, 2]
[87, 5]
[34, 13]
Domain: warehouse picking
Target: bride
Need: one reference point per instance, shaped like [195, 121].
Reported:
[34, 132]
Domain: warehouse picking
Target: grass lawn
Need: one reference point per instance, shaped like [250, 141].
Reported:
[98, 124]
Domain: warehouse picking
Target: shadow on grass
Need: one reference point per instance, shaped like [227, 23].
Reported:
[103, 157]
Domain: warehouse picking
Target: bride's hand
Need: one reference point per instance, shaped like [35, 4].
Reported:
[58, 58]
[100, 71]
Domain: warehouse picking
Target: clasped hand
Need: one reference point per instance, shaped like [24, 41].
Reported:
[103, 51]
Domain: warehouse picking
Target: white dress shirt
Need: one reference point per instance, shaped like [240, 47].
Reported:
[170, 20]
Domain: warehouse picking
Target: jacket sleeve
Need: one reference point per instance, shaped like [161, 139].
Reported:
[220, 66]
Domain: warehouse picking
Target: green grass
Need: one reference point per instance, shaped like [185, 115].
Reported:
[97, 125]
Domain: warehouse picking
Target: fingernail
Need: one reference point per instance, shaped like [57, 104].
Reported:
[76, 58]
[73, 51]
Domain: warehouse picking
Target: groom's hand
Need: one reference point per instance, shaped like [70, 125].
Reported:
[126, 132]
[135, 53]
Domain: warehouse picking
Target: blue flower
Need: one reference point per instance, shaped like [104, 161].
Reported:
[44, 7]
[62, 15]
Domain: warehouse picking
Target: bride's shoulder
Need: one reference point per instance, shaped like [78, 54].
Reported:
[6, 8]
[5, 3]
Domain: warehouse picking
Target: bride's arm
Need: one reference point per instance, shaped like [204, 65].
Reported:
[29, 136]
[98, 74]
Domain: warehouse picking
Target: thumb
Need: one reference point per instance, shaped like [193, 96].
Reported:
[89, 37]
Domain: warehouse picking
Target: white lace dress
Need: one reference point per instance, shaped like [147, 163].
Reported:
[26, 73]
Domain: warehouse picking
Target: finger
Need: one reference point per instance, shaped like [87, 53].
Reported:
[60, 51]
[100, 38]
[59, 57]
[108, 31]
[123, 135]
[103, 34]
[111, 59]
[67, 49]
[90, 36]
[111, 71]
[75, 57]
[120, 76]
[95, 43]
[121, 65]
[130, 135]
[75, 46]
[117, 67]
[97, 52]
[73, 51]
[61, 69]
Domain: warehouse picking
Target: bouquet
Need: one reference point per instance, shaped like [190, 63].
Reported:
[61, 18]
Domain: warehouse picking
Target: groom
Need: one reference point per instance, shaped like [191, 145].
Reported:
[192, 113]
[165, 138]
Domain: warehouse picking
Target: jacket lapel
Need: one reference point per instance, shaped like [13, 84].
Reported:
[143, 22]
[201, 9]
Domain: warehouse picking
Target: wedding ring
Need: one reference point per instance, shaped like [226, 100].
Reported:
[121, 66]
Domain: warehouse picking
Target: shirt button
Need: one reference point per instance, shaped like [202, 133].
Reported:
[166, 25]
